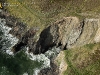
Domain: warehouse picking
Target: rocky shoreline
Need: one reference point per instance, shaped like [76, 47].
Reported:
[26, 38]
[66, 33]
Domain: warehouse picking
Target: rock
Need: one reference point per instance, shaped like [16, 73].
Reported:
[27, 40]
[18, 28]
[89, 31]
[67, 33]
[62, 33]
[53, 70]
[60, 61]
[97, 36]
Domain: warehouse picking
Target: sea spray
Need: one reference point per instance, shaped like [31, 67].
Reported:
[40, 58]
[45, 58]
[7, 40]
[52, 53]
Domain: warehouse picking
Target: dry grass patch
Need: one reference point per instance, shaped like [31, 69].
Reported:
[83, 60]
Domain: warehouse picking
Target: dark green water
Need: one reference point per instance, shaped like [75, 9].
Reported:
[21, 63]
[15, 64]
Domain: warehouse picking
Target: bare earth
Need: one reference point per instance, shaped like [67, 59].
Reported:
[60, 61]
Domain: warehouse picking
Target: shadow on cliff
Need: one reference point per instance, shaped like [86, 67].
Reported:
[44, 42]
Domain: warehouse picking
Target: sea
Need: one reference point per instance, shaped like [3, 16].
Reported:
[22, 62]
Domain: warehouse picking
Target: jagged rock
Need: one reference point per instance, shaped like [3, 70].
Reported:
[97, 36]
[18, 28]
[27, 40]
[53, 70]
[89, 31]
[62, 33]
[67, 33]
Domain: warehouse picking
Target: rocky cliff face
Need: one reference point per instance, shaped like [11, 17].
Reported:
[67, 33]
[89, 32]
[53, 70]
[62, 33]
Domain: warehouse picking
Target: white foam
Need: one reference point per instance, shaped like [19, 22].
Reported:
[36, 71]
[25, 74]
[10, 39]
[45, 58]
[52, 53]
[39, 58]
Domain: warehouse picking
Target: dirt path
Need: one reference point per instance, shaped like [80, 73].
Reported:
[60, 61]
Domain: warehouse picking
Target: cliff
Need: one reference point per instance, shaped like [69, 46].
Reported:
[67, 33]
[45, 24]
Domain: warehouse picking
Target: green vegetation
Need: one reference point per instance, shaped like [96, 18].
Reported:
[43, 12]
[17, 65]
[83, 60]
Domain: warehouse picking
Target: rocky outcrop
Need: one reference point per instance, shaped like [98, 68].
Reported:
[18, 28]
[60, 61]
[89, 32]
[53, 70]
[68, 33]
[28, 39]
[62, 33]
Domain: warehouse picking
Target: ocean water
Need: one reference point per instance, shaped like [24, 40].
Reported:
[21, 63]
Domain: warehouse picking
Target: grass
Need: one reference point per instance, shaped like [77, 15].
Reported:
[83, 60]
[43, 12]
[17, 65]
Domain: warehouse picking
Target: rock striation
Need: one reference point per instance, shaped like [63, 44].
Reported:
[62, 33]
[67, 33]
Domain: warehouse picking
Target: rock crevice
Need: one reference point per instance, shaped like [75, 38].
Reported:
[66, 33]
